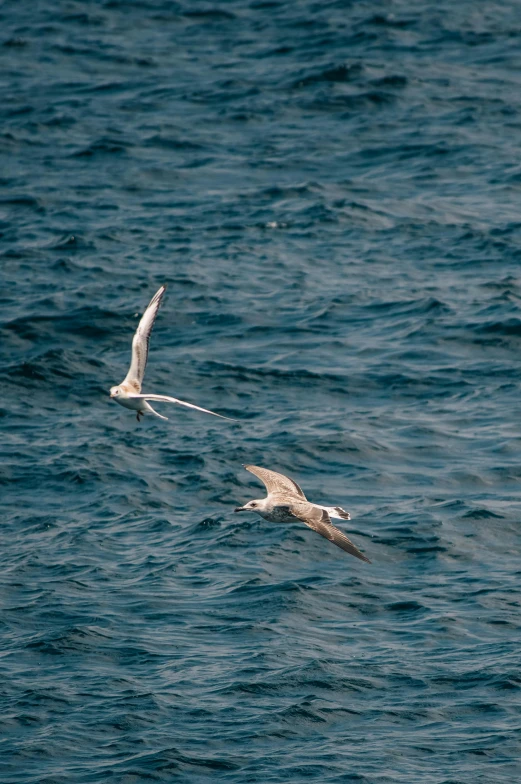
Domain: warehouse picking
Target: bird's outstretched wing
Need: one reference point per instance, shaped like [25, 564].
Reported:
[141, 340]
[318, 519]
[167, 399]
[276, 483]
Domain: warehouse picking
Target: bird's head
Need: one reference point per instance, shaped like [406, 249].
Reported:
[253, 506]
[115, 392]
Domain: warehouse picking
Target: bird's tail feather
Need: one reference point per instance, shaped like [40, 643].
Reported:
[337, 512]
[152, 411]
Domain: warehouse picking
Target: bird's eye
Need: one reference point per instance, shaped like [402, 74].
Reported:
[253, 504]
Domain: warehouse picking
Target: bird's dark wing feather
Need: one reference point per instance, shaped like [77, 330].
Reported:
[318, 520]
[276, 483]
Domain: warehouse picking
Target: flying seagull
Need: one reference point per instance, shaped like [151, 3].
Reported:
[128, 393]
[286, 503]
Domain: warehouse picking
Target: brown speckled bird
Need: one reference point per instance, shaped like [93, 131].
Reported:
[286, 503]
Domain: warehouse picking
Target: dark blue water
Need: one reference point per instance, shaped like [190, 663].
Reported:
[332, 193]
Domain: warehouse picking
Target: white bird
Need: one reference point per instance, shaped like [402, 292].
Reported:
[286, 503]
[128, 393]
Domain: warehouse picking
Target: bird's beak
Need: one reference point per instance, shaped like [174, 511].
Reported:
[112, 394]
[240, 509]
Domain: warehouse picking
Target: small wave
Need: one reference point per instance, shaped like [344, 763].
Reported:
[344, 72]
[101, 147]
[510, 327]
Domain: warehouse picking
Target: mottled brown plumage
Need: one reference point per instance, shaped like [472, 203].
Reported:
[287, 503]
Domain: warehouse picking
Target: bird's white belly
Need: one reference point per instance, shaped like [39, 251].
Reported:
[132, 403]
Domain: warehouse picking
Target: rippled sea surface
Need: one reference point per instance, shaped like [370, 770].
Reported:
[332, 193]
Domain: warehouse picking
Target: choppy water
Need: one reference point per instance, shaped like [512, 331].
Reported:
[332, 193]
